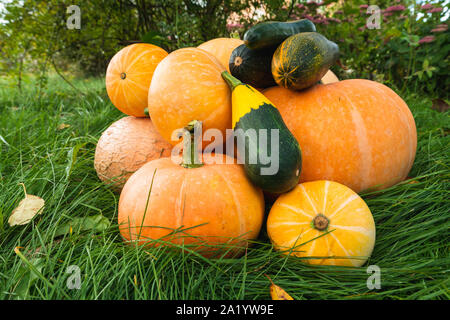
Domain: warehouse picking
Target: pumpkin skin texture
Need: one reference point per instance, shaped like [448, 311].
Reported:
[126, 146]
[129, 74]
[218, 197]
[356, 132]
[186, 86]
[221, 48]
[311, 210]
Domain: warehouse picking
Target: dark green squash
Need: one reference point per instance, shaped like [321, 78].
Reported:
[272, 33]
[270, 153]
[303, 59]
[252, 66]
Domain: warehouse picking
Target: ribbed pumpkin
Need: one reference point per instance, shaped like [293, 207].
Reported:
[187, 85]
[212, 204]
[323, 221]
[129, 75]
[221, 48]
[126, 146]
[356, 132]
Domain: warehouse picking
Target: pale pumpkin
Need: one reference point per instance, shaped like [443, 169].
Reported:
[324, 222]
[187, 85]
[356, 132]
[210, 206]
[329, 77]
[125, 146]
[129, 74]
[221, 48]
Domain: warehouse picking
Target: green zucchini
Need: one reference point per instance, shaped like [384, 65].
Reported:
[273, 33]
[252, 66]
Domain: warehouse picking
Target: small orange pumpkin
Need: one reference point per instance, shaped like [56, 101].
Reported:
[323, 221]
[221, 48]
[200, 206]
[129, 75]
[356, 132]
[187, 85]
[126, 146]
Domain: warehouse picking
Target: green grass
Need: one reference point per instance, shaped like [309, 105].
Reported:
[412, 219]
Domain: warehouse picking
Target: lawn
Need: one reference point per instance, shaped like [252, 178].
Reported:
[47, 142]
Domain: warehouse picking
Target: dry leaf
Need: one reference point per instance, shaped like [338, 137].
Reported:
[278, 293]
[26, 210]
[63, 126]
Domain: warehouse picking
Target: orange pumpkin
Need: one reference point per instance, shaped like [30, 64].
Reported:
[356, 132]
[126, 146]
[221, 48]
[323, 221]
[129, 75]
[186, 86]
[210, 205]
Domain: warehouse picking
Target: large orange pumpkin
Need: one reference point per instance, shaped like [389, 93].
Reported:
[126, 146]
[129, 75]
[186, 86]
[221, 48]
[196, 207]
[323, 221]
[356, 132]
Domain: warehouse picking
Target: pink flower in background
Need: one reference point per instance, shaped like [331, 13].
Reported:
[335, 20]
[364, 6]
[435, 10]
[232, 26]
[387, 14]
[395, 8]
[361, 28]
[339, 12]
[316, 3]
[300, 5]
[427, 39]
[440, 28]
[426, 6]
[307, 16]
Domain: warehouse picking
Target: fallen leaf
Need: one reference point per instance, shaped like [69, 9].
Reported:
[63, 126]
[29, 207]
[440, 105]
[278, 293]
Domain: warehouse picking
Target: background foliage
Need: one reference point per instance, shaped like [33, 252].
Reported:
[411, 48]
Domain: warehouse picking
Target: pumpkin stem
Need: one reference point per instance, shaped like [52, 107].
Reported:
[320, 222]
[230, 80]
[190, 145]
